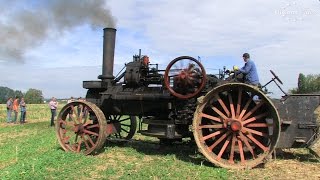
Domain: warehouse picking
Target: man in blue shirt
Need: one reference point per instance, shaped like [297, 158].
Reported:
[249, 71]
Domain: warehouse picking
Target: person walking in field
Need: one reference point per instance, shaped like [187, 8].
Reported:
[23, 110]
[15, 109]
[53, 104]
[9, 109]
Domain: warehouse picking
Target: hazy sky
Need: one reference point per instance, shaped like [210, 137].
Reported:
[55, 45]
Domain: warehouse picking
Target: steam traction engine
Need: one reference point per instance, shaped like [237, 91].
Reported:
[234, 125]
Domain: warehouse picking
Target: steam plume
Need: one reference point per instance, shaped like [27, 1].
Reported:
[26, 28]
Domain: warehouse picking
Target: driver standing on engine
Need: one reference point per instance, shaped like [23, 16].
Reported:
[249, 71]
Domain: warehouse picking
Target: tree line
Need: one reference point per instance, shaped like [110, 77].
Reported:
[32, 96]
[307, 84]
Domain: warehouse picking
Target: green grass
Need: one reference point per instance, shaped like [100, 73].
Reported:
[31, 151]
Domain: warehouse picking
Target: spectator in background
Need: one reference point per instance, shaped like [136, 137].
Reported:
[9, 109]
[15, 109]
[23, 110]
[53, 104]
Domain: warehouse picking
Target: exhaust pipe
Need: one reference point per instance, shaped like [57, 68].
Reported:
[109, 39]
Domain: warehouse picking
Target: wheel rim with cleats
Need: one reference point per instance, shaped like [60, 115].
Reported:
[236, 126]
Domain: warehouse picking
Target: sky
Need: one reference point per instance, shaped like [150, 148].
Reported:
[55, 45]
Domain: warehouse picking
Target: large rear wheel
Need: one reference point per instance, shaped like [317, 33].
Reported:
[236, 126]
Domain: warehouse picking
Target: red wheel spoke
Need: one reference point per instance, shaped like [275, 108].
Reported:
[92, 126]
[245, 109]
[257, 143]
[212, 135]
[253, 110]
[255, 118]
[223, 148]
[73, 110]
[219, 140]
[233, 143]
[245, 130]
[90, 140]
[257, 125]
[87, 123]
[74, 146]
[85, 142]
[192, 75]
[72, 118]
[85, 114]
[79, 146]
[239, 103]
[219, 112]
[226, 110]
[66, 139]
[210, 117]
[241, 151]
[246, 142]
[90, 132]
[231, 106]
[80, 114]
[216, 126]
[189, 81]
[61, 121]
[68, 123]
[76, 138]
[73, 115]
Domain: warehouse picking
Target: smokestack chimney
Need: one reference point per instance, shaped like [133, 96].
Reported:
[109, 38]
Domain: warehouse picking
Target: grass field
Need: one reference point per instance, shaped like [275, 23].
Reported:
[31, 151]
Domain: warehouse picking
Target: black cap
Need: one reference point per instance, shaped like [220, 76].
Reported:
[246, 55]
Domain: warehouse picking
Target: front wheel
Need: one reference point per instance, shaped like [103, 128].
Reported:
[81, 127]
[236, 126]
